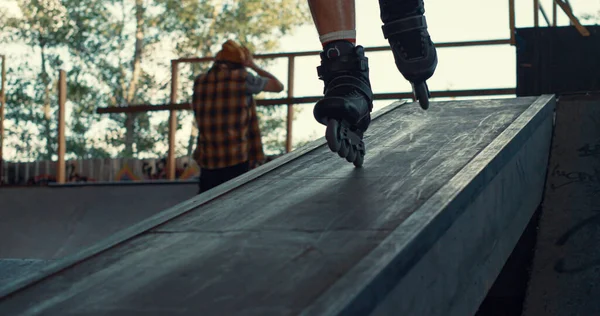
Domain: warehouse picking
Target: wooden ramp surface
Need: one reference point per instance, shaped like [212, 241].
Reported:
[422, 229]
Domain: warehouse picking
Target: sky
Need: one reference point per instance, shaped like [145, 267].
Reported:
[449, 21]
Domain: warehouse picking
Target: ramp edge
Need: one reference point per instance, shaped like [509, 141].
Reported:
[367, 284]
[169, 214]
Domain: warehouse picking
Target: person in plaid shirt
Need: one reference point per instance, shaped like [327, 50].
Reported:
[229, 139]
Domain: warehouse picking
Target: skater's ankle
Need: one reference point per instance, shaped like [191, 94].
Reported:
[338, 48]
[338, 43]
[343, 35]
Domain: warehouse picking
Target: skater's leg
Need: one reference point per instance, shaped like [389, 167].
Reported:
[405, 27]
[334, 19]
[347, 101]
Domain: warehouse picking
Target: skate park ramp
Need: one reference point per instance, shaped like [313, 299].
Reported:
[43, 224]
[423, 228]
[565, 274]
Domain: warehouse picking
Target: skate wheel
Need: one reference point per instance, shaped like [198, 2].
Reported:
[422, 94]
[352, 153]
[360, 159]
[344, 149]
[332, 135]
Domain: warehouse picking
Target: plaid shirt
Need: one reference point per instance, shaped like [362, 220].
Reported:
[228, 131]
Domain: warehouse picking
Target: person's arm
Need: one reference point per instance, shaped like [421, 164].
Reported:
[273, 84]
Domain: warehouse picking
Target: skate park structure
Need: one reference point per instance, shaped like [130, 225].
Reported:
[43, 224]
[432, 225]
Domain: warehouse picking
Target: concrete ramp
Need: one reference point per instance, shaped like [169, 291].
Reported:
[565, 277]
[41, 224]
[423, 229]
[53, 222]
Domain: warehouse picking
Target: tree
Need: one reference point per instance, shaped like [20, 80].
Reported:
[46, 27]
[589, 18]
[42, 27]
[118, 53]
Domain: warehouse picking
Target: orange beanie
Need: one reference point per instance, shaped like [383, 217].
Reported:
[231, 52]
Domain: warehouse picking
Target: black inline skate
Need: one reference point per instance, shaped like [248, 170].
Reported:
[405, 28]
[348, 99]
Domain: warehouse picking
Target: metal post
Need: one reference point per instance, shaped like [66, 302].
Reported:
[2, 106]
[62, 97]
[172, 121]
[511, 21]
[290, 108]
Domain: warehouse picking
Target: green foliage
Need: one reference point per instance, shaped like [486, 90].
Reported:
[590, 18]
[117, 52]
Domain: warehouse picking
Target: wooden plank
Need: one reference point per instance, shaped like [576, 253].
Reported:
[172, 122]
[62, 99]
[290, 108]
[2, 107]
[574, 21]
[308, 229]
[545, 15]
[511, 21]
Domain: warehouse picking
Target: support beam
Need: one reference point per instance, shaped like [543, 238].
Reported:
[511, 21]
[2, 106]
[570, 9]
[62, 97]
[545, 15]
[574, 21]
[172, 121]
[290, 108]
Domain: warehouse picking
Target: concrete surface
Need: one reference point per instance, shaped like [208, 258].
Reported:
[42, 224]
[53, 222]
[565, 277]
[11, 269]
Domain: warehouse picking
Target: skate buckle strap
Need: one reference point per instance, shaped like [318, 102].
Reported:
[351, 82]
[342, 63]
[404, 25]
